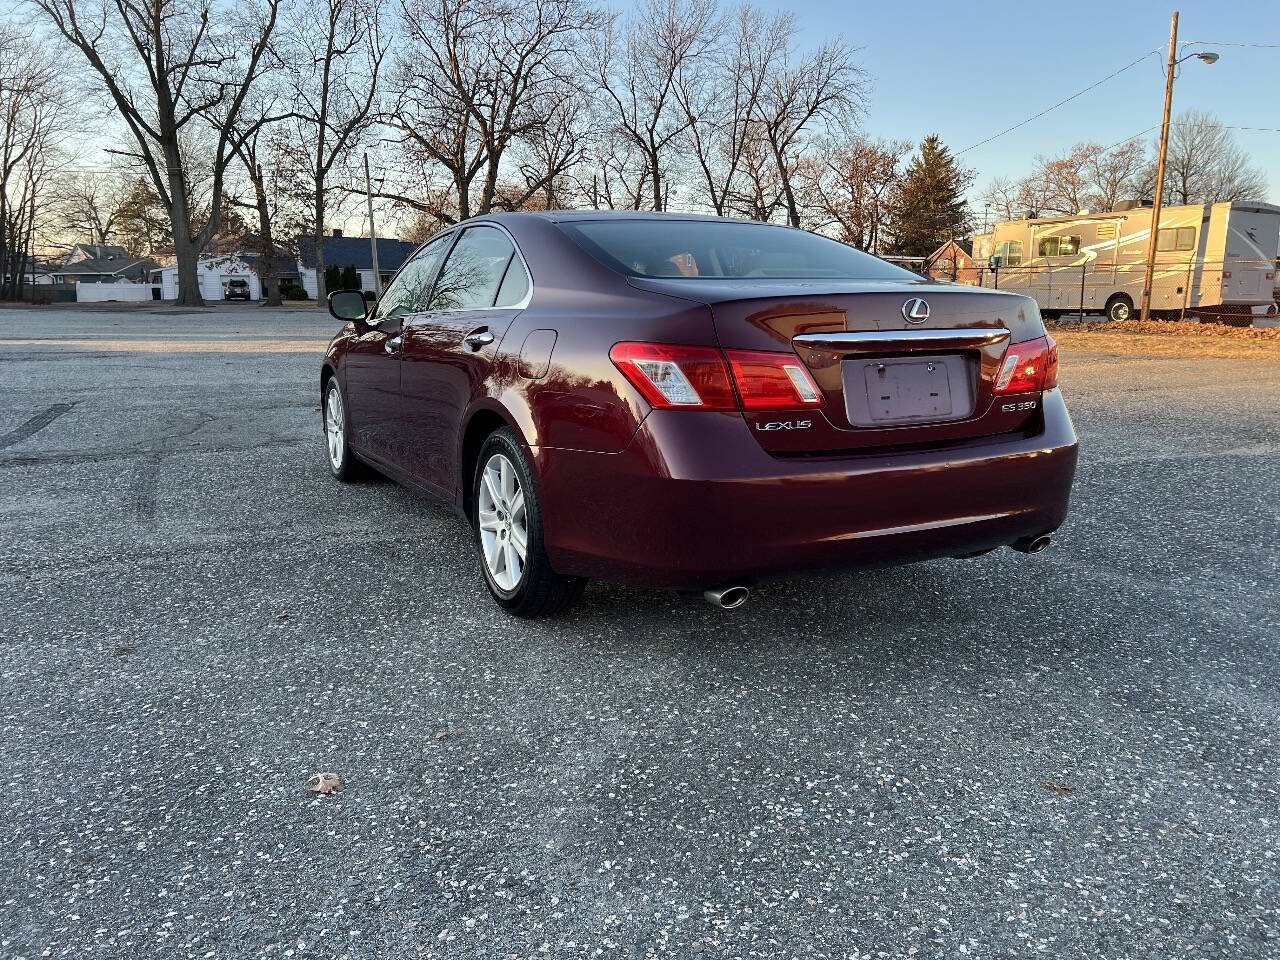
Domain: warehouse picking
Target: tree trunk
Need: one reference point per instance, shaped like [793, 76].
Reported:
[321, 292]
[185, 249]
[268, 276]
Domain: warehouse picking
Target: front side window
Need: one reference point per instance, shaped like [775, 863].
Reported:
[407, 293]
[470, 277]
[1058, 247]
[1010, 253]
[697, 250]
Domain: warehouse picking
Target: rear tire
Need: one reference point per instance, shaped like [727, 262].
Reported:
[507, 516]
[1120, 308]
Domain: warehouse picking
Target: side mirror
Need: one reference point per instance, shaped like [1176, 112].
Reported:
[349, 306]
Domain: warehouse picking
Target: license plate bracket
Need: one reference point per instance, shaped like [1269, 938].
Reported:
[897, 390]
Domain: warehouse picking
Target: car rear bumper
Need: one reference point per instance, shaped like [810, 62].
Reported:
[694, 501]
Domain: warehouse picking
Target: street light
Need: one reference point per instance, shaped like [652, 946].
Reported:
[1205, 57]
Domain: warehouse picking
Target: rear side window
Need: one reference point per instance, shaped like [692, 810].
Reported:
[1176, 238]
[712, 249]
[1058, 247]
[473, 271]
[515, 285]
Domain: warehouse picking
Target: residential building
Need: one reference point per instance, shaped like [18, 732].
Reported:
[340, 251]
[954, 262]
[102, 263]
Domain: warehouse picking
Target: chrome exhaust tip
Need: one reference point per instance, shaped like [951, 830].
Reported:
[727, 598]
[1032, 544]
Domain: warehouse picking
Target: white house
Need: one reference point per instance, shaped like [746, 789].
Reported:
[213, 272]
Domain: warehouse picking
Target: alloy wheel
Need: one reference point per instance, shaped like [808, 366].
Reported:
[334, 427]
[504, 526]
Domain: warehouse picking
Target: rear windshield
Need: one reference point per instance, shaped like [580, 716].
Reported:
[711, 249]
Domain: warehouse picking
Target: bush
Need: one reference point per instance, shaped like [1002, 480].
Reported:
[293, 292]
[350, 278]
[332, 279]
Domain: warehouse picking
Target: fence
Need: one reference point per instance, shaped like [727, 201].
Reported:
[104, 292]
[1208, 289]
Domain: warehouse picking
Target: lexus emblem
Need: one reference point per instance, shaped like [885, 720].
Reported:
[915, 310]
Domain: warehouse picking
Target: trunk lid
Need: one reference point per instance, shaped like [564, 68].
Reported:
[887, 381]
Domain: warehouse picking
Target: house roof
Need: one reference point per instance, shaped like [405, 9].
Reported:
[964, 244]
[104, 259]
[356, 252]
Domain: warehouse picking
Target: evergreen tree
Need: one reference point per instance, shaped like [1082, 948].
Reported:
[333, 277]
[350, 278]
[929, 207]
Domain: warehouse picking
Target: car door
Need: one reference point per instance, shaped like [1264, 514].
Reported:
[372, 365]
[449, 348]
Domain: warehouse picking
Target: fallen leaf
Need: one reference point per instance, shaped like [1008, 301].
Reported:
[121, 649]
[324, 783]
[1061, 789]
[283, 616]
[442, 734]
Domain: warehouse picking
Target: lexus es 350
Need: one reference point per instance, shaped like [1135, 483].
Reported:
[695, 403]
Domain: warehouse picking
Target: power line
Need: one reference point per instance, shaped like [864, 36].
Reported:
[1060, 103]
[1227, 43]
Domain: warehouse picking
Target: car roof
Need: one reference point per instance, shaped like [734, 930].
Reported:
[569, 216]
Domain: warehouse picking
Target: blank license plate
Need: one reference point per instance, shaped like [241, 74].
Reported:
[908, 390]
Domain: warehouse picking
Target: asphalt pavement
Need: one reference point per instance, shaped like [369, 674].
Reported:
[1067, 755]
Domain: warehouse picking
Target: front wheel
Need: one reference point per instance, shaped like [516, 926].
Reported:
[508, 527]
[1119, 308]
[342, 462]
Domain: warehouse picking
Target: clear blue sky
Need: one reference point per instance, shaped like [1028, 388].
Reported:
[966, 70]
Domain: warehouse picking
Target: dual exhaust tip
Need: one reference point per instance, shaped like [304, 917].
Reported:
[1032, 544]
[733, 597]
[727, 598]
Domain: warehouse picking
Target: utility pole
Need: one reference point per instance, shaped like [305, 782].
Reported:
[1149, 279]
[373, 233]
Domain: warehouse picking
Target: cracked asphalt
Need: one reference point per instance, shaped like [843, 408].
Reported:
[1067, 755]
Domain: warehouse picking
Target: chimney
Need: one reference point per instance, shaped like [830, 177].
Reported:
[337, 231]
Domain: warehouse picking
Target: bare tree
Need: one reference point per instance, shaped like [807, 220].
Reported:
[1116, 174]
[1002, 196]
[173, 79]
[475, 79]
[798, 95]
[333, 62]
[86, 204]
[638, 64]
[1205, 165]
[32, 113]
[720, 94]
[853, 185]
[261, 119]
[1085, 177]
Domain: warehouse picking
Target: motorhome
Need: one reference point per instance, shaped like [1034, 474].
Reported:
[1212, 260]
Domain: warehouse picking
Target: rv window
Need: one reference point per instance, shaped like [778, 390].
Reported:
[1010, 253]
[1176, 238]
[1059, 247]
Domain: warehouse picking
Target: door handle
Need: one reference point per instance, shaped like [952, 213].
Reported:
[478, 338]
[394, 343]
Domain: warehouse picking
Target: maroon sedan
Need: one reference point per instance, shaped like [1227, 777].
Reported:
[695, 403]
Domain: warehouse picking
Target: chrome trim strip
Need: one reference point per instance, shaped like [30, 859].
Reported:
[878, 341]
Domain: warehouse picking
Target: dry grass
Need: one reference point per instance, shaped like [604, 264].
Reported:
[1164, 339]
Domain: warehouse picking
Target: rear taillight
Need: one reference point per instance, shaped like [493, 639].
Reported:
[674, 376]
[1029, 366]
[668, 375]
[772, 381]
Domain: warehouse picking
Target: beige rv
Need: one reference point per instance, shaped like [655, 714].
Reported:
[1212, 260]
